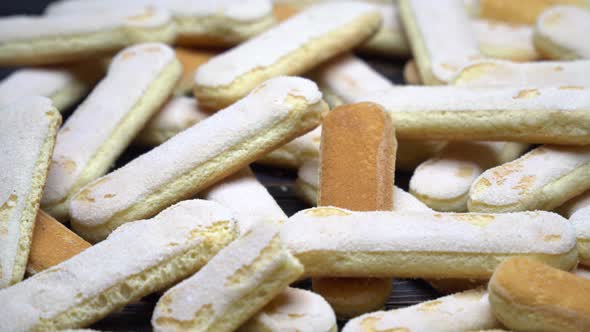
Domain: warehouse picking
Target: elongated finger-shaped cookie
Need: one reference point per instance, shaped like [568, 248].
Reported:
[199, 23]
[63, 85]
[390, 39]
[240, 280]
[581, 221]
[290, 48]
[519, 12]
[542, 179]
[191, 60]
[52, 243]
[489, 114]
[530, 296]
[178, 114]
[139, 81]
[411, 73]
[275, 112]
[30, 40]
[335, 242]
[27, 132]
[439, 59]
[505, 41]
[140, 258]
[247, 198]
[293, 310]
[455, 169]
[296, 152]
[566, 74]
[464, 311]
[560, 33]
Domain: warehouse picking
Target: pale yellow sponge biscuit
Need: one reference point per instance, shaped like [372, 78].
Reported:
[34, 40]
[518, 12]
[334, 242]
[529, 296]
[489, 114]
[293, 310]
[443, 182]
[199, 23]
[390, 39]
[296, 152]
[239, 281]
[27, 132]
[465, 311]
[178, 114]
[247, 198]
[411, 73]
[501, 40]
[140, 258]
[290, 48]
[570, 207]
[139, 80]
[191, 60]
[581, 221]
[560, 33]
[542, 179]
[274, 113]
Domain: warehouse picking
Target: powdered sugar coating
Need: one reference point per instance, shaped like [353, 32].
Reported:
[24, 128]
[466, 311]
[85, 132]
[279, 41]
[528, 175]
[131, 249]
[581, 221]
[178, 113]
[247, 198]
[347, 231]
[264, 108]
[566, 26]
[505, 36]
[15, 28]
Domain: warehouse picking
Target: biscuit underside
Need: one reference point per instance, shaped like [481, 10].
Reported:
[218, 30]
[529, 126]
[27, 221]
[60, 49]
[150, 102]
[242, 309]
[386, 42]
[584, 251]
[552, 50]
[546, 198]
[303, 118]
[308, 192]
[299, 61]
[417, 264]
[526, 318]
[146, 282]
[455, 204]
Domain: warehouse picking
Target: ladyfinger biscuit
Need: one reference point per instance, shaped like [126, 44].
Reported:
[411, 73]
[443, 182]
[296, 152]
[390, 39]
[506, 41]
[526, 295]
[139, 81]
[439, 59]
[581, 221]
[247, 198]
[489, 114]
[573, 205]
[191, 60]
[335, 242]
[519, 12]
[178, 114]
[542, 179]
[240, 280]
[275, 112]
[30, 40]
[290, 48]
[27, 132]
[566, 74]
[465, 311]
[52, 243]
[293, 310]
[63, 85]
[140, 258]
[199, 23]
[560, 33]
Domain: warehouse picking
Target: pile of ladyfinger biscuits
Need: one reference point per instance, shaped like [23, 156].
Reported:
[494, 126]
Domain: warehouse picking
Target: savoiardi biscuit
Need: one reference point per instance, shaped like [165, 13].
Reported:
[560, 33]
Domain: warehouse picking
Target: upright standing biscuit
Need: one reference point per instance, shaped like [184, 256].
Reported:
[542, 179]
[247, 198]
[505, 41]
[443, 182]
[191, 60]
[465, 311]
[138, 259]
[241, 279]
[560, 33]
[27, 132]
[29, 40]
[139, 81]
[519, 12]
[275, 112]
[441, 39]
[291, 48]
[529, 296]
